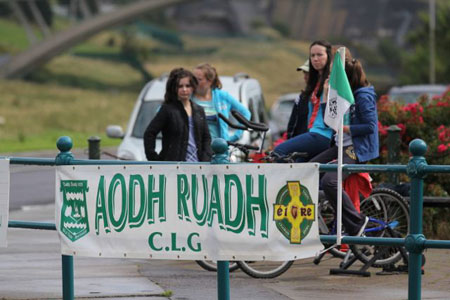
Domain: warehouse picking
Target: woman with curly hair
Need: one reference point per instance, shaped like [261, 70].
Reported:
[185, 134]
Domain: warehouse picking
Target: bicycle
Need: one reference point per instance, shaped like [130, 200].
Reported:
[259, 128]
[388, 211]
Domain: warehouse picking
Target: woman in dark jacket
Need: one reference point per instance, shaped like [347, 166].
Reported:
[185, 134]
[311, 135]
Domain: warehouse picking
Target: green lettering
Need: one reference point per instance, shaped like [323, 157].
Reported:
[156, 197]
[100, 207]
[238, 223]
[200, 217]
[214, 207]
[257, 203]
[198, 246]
[117, 180]
[136, 220]
[151, 241]
[173, 236]
[183, 197]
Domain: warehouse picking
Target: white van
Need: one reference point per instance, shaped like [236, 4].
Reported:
[247, 90]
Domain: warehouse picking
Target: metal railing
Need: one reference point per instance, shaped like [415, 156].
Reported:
[415, 242]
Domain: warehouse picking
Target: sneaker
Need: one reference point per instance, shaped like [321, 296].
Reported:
[361, 230]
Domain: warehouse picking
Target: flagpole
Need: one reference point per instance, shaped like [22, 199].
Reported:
[339, 170]
[339, 183]
[341, 99]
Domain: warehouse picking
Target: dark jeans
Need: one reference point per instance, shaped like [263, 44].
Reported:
[351, 218]
[310, 142]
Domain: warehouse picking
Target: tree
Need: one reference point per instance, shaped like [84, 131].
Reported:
[416, 64]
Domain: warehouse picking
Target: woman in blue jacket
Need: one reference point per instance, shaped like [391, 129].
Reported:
[360, 143]
[209, 95]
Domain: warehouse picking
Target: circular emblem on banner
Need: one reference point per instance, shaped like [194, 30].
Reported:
[294, 211]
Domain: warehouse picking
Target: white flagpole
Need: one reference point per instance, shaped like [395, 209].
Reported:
[339, 184]
[339, 169]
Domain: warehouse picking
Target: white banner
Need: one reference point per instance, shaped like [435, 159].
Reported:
[4, 201]
[181, 211]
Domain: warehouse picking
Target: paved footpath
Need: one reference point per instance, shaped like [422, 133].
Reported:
[30, 268]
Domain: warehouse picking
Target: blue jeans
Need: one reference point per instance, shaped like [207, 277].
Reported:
[309, 142]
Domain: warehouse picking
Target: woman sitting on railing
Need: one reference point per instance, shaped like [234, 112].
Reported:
[360, 142]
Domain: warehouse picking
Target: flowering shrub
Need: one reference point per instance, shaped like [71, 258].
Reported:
[427, 120]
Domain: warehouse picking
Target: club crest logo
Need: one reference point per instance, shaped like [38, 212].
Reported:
[332, 107]
[74, 218]
[294, 212]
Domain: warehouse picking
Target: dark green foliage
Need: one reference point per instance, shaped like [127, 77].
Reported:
[5, 10]
[416, 65]
[43, 6]
[427, 120]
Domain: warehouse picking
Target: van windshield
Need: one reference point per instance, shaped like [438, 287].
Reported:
[146, 113]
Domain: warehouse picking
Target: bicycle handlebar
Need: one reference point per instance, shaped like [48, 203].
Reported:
[243, 146]
[248, 126]
[245, 124]
[252, 125]
[289, 158]
[232, 125]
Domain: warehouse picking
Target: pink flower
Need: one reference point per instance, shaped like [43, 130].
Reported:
[402, 128]
[440, 128]
[442, 148]
[382, 129]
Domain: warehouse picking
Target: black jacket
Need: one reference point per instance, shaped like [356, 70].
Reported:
[298, 121]
[172, 121]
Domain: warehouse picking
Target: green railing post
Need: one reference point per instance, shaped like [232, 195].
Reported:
[94, 147]
[415, 241]
[393, 146]
[220, 148]
[68, 289]
[65, 157]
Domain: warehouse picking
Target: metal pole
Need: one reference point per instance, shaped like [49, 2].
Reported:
[223, 280]
[94, 147]
[393, 145]
[220, 149]
[415, 241]
[68, 280]
[65, 157]
[432, 4]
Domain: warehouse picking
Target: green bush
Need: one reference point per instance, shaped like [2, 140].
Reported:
[428, 120]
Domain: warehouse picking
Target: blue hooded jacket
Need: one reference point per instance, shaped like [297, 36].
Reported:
[224, 103]
[364, 124]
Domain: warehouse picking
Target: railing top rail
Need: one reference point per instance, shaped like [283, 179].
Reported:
[351, 168]
[30, 161]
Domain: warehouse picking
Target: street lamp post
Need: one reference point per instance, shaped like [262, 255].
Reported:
[432, 13]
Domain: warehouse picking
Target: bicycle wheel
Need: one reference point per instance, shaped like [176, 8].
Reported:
[327, 225]
[211, 266]
[396, 224]
[265, 269]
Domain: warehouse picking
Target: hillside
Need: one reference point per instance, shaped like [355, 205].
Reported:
[81, 92]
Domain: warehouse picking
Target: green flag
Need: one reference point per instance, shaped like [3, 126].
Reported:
[340, 95]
